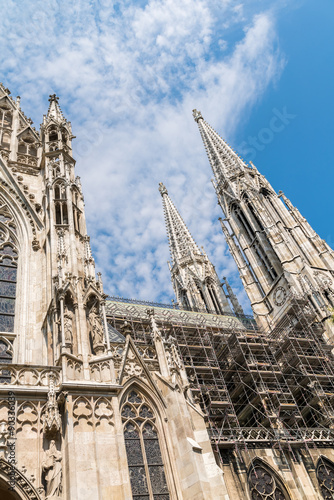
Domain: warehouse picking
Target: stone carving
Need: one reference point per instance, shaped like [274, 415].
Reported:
[103, 412]
[27, 417]
[23, 485]
[51, 418]
[28, 375]
[4, 435]
[74, 368]
[82, 413]
[96, 330]
[53, 471]
[101, 371]
[173, 357]
[132, 367]
[68, 327]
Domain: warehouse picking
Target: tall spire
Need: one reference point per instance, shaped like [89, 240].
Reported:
[274, 247]
[181, 243]
[194, 278]
[223, 159]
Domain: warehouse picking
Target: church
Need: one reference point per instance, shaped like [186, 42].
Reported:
[109, 398]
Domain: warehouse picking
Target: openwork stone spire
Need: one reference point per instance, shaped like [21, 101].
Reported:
[194, 278]
[181, 242]
[224, 161]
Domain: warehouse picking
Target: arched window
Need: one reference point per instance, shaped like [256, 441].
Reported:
[60, 203]
[250, 235]
[214, 298]
[264, 484]
[8, 269]
[184, 299]
[325, 475]
[53, 134]
[147, 475]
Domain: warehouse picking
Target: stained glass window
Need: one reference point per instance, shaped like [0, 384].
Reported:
[264, 485]
[325, 475]
[146, 468]
[8, 268]
[7, 293]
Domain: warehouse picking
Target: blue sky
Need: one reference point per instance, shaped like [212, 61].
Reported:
[128, 75]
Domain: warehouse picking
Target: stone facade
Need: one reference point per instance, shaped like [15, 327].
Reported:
[111, 399]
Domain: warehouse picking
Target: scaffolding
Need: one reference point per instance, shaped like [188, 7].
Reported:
[256, 388]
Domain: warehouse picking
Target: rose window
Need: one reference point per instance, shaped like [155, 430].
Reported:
[264, 485]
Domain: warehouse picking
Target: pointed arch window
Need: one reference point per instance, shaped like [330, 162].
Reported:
[213, 295]
[60, 203]
[264, 484]
[8, 269]
[325, 476]
[53, 134]
[184, 299]
[146, 468]
[252, 239]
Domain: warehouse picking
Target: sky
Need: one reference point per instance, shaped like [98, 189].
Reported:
[128, 75]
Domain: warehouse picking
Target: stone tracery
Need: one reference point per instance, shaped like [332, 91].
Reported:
[325, 476]
[263, 483]
[147, 474]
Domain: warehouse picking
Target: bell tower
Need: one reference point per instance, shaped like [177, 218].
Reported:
[194, 278]
[277, 252]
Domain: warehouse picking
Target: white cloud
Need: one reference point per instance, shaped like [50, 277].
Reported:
[128, 75]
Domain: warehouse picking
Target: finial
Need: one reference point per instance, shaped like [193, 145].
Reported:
[162, 189]
[53, 97]
[197, 115]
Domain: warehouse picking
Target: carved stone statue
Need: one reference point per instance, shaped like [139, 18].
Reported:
[53, 471]
[96, 329]
[68, 326]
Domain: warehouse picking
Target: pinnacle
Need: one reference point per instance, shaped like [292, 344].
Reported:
[197, 115]
[54, 110]
[162, 189]
[181, 242]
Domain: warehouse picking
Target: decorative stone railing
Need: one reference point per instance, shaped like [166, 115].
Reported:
[102, 370]
[28, 375]
[256, 435]
[74, 367]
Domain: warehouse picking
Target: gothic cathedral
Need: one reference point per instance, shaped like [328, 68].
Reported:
[108, 398]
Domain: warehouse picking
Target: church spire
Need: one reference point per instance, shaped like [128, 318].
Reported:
[181, 243]
[195, 281]
[223, 159]
[274, 247]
